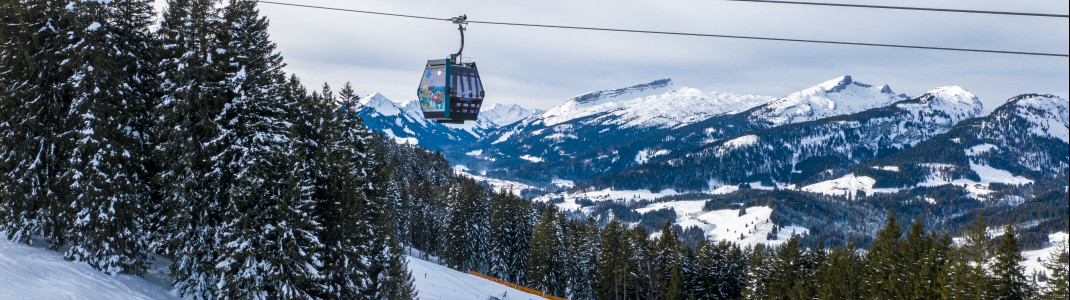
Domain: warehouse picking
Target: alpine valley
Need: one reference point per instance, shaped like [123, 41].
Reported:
[828, 162]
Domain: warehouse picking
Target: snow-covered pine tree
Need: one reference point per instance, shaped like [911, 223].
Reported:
[545, 269]
[788, 272]
[664, 256]
[720, 271]
[1008, 279]
[466, 226]
[268, 243]
[579, 256]
[1057, 264]
[838, 276]
[399, 283]
[884, 263]
[759, 274]
[669, 258]
[193, 85]
[642, 260]
[388, 273]
[108, 180]
[585, 257]
[955, 280]
[388, 276]
[344, 194]
[614, 268]
[977, 251]
[511, 222]
[37, 39]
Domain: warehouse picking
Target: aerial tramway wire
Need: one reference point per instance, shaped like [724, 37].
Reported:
[989, 12]
[974, 50]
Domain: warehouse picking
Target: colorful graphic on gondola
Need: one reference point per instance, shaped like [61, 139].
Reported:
[432, 90]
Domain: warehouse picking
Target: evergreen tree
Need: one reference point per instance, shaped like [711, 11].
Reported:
[108, 187]
[648, 281]
[36, 134]
[398, 281]
[344, 193]
[274, 252]
[720, 271]
[669, 261]
[614, 269]
[838, 275]
[194, 80]
[788, 271]
[927, 283]
[812, 259]
[885, 264]
[545, 267]
[466, 226]
[760, 272]
[388, 273]
[977, 253]
[921, 262]
[1008, 280]
[1057, 264]
[583, 248]
[510, 228]
[956, 280]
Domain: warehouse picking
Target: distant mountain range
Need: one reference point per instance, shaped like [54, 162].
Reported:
[655, 151]
[405, 122]
[659, 136]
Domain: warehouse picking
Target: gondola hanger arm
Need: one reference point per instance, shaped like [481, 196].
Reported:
[461, 21]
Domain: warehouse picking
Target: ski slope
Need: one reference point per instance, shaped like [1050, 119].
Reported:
[434, 282]
[29, 272]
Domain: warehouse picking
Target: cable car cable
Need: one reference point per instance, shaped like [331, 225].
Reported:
[357, 11]
[780, 39]
[1010, 13]
[696, 34]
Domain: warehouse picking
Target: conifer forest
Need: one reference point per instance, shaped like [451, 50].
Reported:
[128, 134]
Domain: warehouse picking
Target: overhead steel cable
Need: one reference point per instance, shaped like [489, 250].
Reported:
[694, 34]
[357, 11]
[776, 39]
[989, 12]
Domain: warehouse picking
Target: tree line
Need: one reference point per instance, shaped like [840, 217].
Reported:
[121, 140]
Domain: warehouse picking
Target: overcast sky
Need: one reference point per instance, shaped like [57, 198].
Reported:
[540, 68]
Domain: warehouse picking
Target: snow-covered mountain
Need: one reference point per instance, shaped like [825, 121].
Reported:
[805, 152]
[609, 131]
[584, 136]
[839, 96]
[655, 104]
[505, 114]
[1023, 141]
[406, 124]
[496, 116]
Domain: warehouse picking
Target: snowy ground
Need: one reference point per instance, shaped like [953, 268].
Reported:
[435, 282]
[727, 224]
[497, 184]
[602, 195]
[977, 190]
[719, 225]
[849, 186]
[1033, 259]
[35, 273]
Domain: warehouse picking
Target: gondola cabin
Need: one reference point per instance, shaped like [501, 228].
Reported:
[450, 92]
